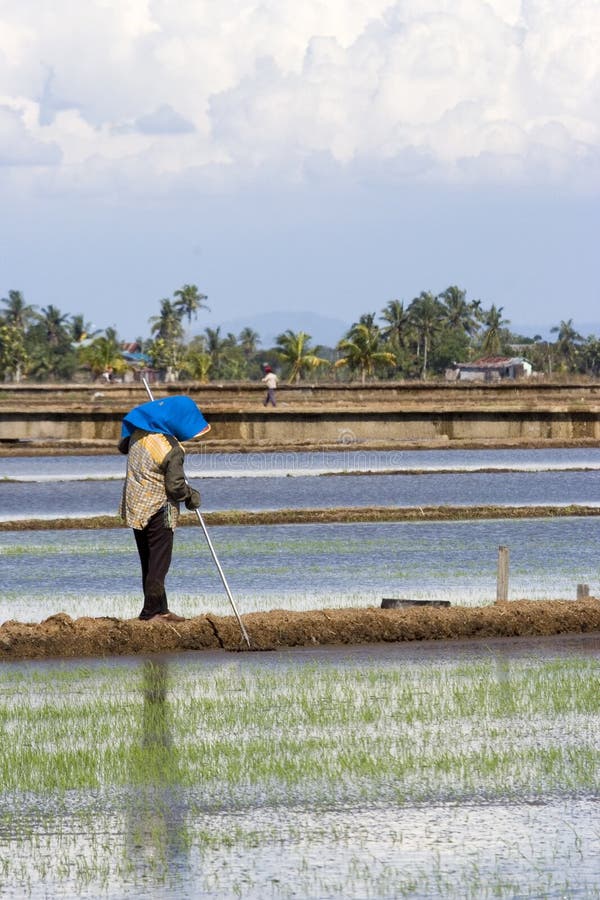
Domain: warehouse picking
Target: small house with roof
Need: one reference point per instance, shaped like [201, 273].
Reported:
[491, 368]
[138, 363]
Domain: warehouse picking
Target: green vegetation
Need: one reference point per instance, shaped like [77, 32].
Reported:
[294, 352]
[418, 339]
[334, 514]
[407, 734]
[252, 772]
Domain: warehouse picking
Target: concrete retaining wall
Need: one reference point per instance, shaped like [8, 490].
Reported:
[317, 414]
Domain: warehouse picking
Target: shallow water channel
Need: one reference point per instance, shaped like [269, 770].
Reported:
[430, 771]
[49, 487]
[96, 573]
[304, 566]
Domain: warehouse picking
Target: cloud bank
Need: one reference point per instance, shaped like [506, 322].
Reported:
[103, 93]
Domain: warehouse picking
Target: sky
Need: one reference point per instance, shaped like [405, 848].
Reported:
[320, 158]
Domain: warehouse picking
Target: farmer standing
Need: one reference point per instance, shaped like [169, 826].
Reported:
[270, 380]
[154, 487]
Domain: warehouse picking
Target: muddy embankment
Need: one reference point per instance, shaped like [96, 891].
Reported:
[54, 447]
[321, 516]
[63, 637]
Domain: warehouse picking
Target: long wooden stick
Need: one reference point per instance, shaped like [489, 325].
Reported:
[212, 550]
[502, 577]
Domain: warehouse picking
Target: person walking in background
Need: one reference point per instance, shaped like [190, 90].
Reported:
[270, 379]
[155, 485]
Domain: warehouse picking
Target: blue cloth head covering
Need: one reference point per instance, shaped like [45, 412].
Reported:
[178, 416]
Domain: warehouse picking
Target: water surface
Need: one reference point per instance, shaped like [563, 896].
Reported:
[48, 499]
[236, 465]
[299, 566]
[460, 831]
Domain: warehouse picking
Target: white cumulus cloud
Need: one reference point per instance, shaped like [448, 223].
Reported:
[19, 148]
[445, 89]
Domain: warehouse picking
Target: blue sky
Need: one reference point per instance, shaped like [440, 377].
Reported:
[324, 158]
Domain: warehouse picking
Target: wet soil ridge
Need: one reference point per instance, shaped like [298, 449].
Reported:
[63, 637]
[323, 516]
[98, 447]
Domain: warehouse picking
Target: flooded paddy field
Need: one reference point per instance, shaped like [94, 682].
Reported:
[298, 567]
[102, 497]
[50, 487]
[422, 770]
[305, 566]
[444, 769]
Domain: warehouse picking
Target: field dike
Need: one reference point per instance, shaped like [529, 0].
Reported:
[322, 516]
[62, 637]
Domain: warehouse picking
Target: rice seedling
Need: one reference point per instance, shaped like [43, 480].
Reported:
[174, 770]
[44, 573]
[231, 718]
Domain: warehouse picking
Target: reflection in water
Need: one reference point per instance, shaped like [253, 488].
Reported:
[519, 820]
[32, 500]
[158, 838]
[156, 735]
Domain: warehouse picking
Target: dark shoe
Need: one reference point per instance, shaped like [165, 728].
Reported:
[170, 617]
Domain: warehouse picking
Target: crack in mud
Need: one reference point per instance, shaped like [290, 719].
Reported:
[216, 632]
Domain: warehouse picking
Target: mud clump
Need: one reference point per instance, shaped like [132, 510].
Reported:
[60, 636]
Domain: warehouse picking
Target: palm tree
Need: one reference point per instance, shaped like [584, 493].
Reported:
[18, 313]
[458, 314]
[249, 341]
[216, 347]
[368, 319]
[189, 301]
[567, 343]
[102, 353]
[166, 356]
[166, 348]
[397, 334]
[362, 351]
[167, 324]
[82, 330]
[294, 351]
[398, 322]
[54, 323]
[590, 352]
[196, 365]
[493, 323]
[48, 344]
[14, 322]
[13, 356]
[426, 313]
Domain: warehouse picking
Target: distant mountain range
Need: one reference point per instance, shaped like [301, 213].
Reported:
[323, 330]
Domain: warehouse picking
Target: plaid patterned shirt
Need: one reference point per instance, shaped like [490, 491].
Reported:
[145, 490]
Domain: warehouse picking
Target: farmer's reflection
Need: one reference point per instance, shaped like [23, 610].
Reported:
[158, 830]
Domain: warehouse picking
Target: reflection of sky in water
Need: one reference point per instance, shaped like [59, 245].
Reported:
[85, 498]
[332, 847]
[155, 837]
[281, 463]
[298, 566]
[437, 851]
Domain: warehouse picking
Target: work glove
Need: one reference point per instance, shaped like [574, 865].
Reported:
[193, 501]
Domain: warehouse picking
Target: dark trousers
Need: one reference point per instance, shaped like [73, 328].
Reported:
[270, 398]
[155, 547]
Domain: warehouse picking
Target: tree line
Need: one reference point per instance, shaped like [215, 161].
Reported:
[419, 339]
